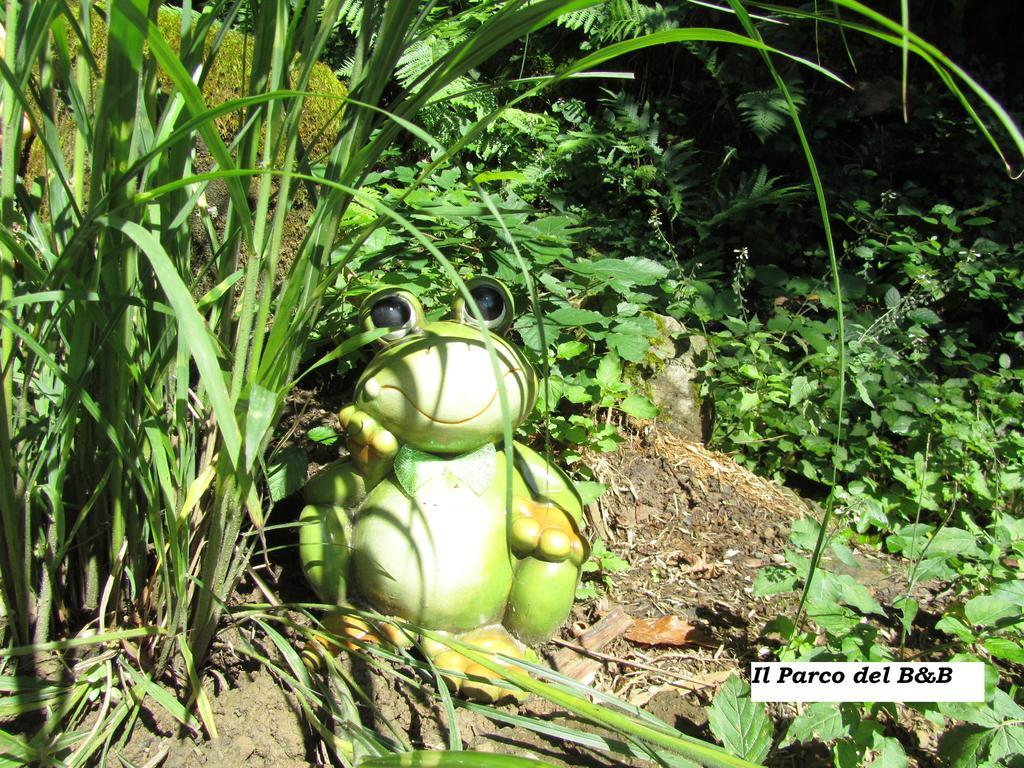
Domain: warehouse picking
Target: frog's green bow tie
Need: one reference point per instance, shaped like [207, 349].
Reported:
[417, 469]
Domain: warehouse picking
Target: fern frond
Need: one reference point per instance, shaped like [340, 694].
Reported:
[527, 122]
[414, 61]
[583, 20]
[351, 15]
[615, 20]
[751, 192]
[766, 112]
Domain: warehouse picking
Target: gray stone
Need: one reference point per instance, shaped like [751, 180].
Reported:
[675, 385]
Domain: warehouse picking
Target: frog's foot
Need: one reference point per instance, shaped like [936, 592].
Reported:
[479, 683]
[348, 632]
[545, 531]
[371, 446]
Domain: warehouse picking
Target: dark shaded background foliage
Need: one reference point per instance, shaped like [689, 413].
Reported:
[686, 185]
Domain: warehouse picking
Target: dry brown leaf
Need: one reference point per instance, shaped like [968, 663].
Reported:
[668, 630]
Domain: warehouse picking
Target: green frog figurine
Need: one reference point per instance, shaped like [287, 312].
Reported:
[414, 523]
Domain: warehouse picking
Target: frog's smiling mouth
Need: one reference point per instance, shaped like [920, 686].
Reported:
[486, 407]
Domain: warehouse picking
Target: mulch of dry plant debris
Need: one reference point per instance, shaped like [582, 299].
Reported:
[695, 528]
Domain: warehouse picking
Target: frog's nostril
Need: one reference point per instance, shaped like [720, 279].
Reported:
[371, 388]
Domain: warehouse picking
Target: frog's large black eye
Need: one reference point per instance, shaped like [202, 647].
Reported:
[394, 310]
[490, 302]
[391, 312]
[493, 301]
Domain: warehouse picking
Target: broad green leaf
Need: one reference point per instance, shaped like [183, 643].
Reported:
[1011, 591]
[574, 393]
[975, 713]
[589, 491]
[1007, 740]
[570, 349]
[933, 568]
[822, 721]
[948, 542]
[800, 389]
[907, 606]
[530, 332]
[1002, 648]
[1008, 530]
[804, 533]
[748, 401]
[844, 554]
[830, 615]
[629, 346]
[639, 407]
[773, 579]
[609, 372]
[286, 472]
[847, 755]
[862, 393]
[573, 317]
[622, 273]
[889, 753]
[323, 434]
[965, 746]
[1005, 707]
[987, 611]
[924, 316]
[846, 589]
[953, 626]
[739, 723]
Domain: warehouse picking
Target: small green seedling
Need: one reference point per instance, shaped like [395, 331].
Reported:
[598, 569]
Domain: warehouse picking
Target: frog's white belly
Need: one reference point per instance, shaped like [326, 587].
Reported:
[440, 560]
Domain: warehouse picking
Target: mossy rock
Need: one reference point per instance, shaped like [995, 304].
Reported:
[226, 80]
[670, 377]
[229, 75]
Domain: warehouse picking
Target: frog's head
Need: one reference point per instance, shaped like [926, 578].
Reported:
[433, 384]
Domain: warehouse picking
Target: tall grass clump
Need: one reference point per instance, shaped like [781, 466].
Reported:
[141, 381]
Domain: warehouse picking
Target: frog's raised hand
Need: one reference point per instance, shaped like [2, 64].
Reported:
[546, 531]
[427, 537]
[370, 445]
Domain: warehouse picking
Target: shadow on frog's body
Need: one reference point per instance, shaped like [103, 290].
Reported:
[414, 524]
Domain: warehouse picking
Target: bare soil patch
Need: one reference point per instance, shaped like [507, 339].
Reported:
[258, 725]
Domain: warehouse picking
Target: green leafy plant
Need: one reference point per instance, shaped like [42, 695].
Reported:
[848, 624]
[598, 570]
[930, 417]
[741, 724]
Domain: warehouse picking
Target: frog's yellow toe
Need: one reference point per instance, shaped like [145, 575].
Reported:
[480, 685]
[555, 545]
[384, 443]
[345, 415]
[345, 631]
[479, 682]
[525, 534]
[545, 531]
